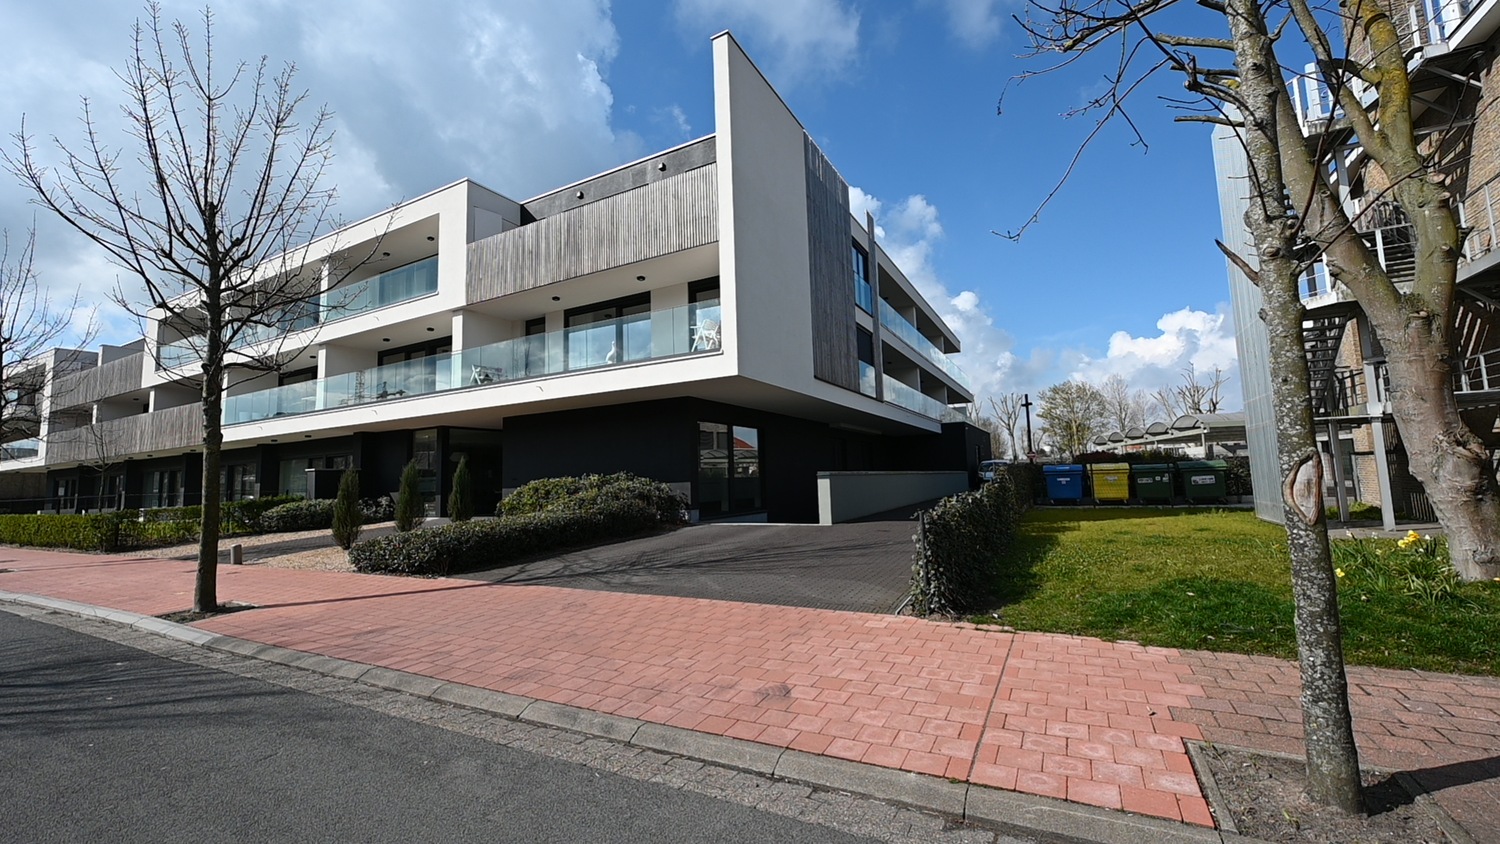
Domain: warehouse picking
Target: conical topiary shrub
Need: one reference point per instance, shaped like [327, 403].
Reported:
[460, 500]
[410, 510]
[348, 516]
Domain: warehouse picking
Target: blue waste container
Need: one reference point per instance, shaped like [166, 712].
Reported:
[1064, 482]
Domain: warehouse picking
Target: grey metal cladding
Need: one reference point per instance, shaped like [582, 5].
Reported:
[835, 346]
[115, 378]
[108, 442]
[615, 182]
[658, 218]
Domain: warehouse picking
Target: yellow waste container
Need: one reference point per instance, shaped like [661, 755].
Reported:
[1111, 481]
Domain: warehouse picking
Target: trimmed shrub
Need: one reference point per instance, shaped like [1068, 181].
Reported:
[244, 516]
[961, 543]
[461, 501]
[299, 515]
[347, 516]
[1237, 479]
[1029, 482]
[410, 510]
[381, 509]
[470, 545]
[79, 533]
[590, 491]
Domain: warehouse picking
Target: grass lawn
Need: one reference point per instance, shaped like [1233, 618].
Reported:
[1220, 580]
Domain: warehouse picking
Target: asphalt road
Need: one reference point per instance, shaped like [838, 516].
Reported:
[102, 742]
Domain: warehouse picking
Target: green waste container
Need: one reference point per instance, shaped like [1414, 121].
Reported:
[1111, 481]
[1204, 480]
[1153, 482]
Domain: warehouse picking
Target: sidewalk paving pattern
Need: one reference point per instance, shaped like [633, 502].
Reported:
[1081, 719]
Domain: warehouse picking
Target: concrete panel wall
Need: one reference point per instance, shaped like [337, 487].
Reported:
[843, 496]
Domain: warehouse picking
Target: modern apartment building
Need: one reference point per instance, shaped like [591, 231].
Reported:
[1451, 49]
[711, 315]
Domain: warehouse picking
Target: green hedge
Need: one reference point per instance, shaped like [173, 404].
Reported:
[961, 542]
[472, 545]
[1237, 479]
[136, 529]
[589, 491]
[299, 515]
[80, 533]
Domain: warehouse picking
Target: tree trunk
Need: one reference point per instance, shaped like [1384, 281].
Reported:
[1445, 455]
[1332, 759]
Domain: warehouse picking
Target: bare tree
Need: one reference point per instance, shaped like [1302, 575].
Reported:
[1201, 396]
[1124, 406]
[1408, 162]
[31, 324]
[1007, 410]
[1165, 400]
[1251, 97]
[218, 234]
[1072, 414]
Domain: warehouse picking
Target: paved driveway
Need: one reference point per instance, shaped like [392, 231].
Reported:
[862, 566]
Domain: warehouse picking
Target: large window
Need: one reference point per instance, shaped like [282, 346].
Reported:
[609, 333]
[164, 488]
[864, 294]
[728, 470]
[239, 482]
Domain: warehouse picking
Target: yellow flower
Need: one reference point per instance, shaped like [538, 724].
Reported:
[1338, 572]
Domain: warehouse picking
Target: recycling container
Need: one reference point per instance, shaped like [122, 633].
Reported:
[1064, 482]
[1204, 480]
[1153, 482]
[1111, 481]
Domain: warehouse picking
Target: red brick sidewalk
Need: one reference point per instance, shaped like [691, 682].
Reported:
[1089, 721]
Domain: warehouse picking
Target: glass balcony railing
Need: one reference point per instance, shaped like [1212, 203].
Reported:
[912, 399]
[909, 333]
[388, 288]
[691, 329]
[864, 295]
[20, 449]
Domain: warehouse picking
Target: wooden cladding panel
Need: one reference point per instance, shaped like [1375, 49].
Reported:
[655, 219]
[115, 378]
[835, 345]
[132, 436]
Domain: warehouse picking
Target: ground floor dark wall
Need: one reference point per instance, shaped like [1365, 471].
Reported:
[660, 440]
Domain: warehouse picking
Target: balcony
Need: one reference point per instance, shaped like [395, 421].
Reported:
[21, 449]
[901, 395]
[390, 287]
[689, 330]
[909, 333]
[403, 284]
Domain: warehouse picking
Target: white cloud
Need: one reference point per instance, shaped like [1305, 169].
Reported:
[976, 23]
[797, 39]
[513, 95]
[1186, 338]
[911, 232]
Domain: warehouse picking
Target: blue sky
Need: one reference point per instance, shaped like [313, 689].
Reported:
[1120, 275]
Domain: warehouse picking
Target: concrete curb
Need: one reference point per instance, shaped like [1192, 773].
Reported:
[1013, 811]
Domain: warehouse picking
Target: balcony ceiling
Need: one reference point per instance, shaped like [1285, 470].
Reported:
[664, 271]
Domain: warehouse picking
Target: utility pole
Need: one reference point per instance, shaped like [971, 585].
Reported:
[1030, 449]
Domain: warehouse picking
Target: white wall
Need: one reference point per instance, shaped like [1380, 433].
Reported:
[765, 278]
[843, 496]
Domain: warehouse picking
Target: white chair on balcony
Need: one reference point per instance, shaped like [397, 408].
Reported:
[706, 338]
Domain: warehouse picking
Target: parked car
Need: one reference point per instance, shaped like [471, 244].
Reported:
[989, 468]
